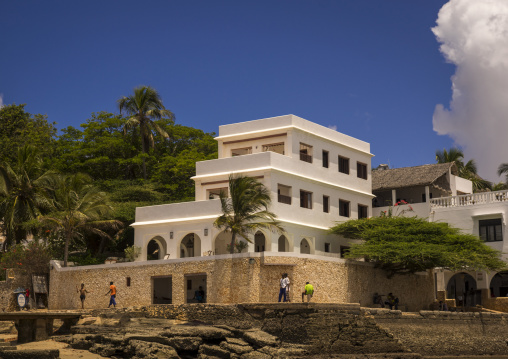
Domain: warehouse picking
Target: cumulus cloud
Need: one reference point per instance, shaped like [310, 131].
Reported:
[474, 37]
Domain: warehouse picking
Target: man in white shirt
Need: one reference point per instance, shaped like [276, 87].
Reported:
[284, 285]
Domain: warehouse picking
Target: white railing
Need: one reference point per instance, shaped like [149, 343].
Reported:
[470, 199]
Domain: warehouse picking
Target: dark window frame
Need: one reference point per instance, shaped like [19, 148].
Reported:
[305, 203]
[491, 235]
[344, 206]
[325, 158]
[361, 209]
[326, 204]
[361, 170]
[344, 165]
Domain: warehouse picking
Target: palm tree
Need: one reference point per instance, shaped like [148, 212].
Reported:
[468, 170]
[24, 189]
[246, 210]
[79, 210]
[503, 169]
[143, 106]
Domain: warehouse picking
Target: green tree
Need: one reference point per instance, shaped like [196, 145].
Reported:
[466, 170]
[143, 106]
[18, 127]
[246, 210]
[404, 245]
[503, 170]
[80, 209]
[24, 190]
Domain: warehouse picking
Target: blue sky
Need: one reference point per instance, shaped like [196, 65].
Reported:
[371, 68]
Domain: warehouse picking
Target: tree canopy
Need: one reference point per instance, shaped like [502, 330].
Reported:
[404, 245]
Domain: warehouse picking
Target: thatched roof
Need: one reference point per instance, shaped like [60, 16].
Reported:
[425, 175]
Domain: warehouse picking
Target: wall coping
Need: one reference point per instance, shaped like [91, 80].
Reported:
[56, 265]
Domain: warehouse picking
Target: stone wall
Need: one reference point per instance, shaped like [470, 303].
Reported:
[245, 278]
[14, 280]
[433, 333]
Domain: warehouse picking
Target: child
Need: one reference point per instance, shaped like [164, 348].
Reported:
[82, 294]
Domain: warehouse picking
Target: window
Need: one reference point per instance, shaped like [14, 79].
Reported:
[241, 151]
[343, 250]
[214, 193]
[343, 165]
[325, 159]
[326, 204]
[343, 208]
[306, 199]
[327, 247]
[363, 211]
[491, 230]
[361, 170]
[305, 152]
[274, 147]
[284, 194]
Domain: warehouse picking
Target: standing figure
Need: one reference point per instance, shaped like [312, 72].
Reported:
[112, 292]
[199, 295]
[308, 291]
[82, 294]
[284, 283]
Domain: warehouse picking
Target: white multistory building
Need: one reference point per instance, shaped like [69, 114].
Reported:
[316, 176]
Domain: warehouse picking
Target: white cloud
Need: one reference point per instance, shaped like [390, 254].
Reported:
[333, 127]
[474, 37]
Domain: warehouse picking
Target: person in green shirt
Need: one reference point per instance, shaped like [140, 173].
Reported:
[308, 291]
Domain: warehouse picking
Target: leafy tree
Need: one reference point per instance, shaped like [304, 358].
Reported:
[466, 170]
[18, 127]
[403, 245]
[24, 190]
[142, 106]
[246, 210]
[32, 258]
[80, 209]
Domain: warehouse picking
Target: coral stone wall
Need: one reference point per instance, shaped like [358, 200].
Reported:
[242, 278]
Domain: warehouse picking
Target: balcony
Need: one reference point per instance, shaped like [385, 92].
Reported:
[470, 199]
[305, 157]
[284, 199]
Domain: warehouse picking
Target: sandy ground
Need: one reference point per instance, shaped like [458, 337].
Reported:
[66, 352]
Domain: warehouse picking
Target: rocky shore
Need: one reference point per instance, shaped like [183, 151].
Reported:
[266, 331]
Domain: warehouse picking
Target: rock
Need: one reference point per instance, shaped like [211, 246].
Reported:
[88, 321]
[202, 331]
[141, 349]
[236, 341]
[185, 343]
[256, 355]
[260, 338]
[235, 348]
[105, 350]
[214, 350]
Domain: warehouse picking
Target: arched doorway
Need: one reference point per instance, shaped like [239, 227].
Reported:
[221, 243]
[190, 246]
[283, 244]
[304, 246]
[259, 242]
[155, 248]
[499, 285]
[462, 288]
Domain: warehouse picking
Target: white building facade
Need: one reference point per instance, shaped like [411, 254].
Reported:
[316, 176]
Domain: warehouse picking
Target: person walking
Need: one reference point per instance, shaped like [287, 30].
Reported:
[284, 283]
[112, 292]
[82, 294]
[308, 291]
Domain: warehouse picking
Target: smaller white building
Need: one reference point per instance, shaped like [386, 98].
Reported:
[437, 193]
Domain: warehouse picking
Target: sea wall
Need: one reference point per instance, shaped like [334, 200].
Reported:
[245, 278]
